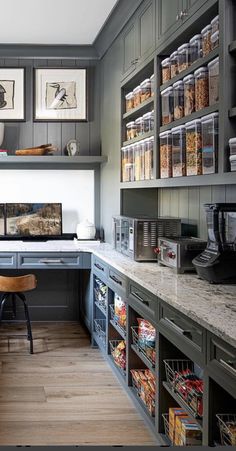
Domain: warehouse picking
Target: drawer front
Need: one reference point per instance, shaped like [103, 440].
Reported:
[7, 260]
[223, 356]
[99, 268]
[181, 327]
[117, 282]
[146, 303]
[41, 260]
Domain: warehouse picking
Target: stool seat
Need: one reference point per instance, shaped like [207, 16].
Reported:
[18, 284]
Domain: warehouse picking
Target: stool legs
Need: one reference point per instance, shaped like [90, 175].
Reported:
[3, 302]
[21, 296]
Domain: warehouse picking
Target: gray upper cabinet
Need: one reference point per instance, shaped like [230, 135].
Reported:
[139, 37]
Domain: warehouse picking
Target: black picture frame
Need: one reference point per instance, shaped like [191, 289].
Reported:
[22, 100]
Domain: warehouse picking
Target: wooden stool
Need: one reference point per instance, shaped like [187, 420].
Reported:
[13, 288]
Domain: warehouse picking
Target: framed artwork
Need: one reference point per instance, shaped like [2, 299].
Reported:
[60, 94]
[12, 94]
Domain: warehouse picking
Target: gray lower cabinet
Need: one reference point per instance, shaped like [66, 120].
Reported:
[146, 303]
[222, 362]
[50, 260]
[8, 260]
[86, 297]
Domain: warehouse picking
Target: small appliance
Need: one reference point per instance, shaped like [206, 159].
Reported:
[177, 253]
[85, 230]
[137, 237]
[217, 263]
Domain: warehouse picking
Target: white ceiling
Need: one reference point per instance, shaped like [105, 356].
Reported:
[74, 22]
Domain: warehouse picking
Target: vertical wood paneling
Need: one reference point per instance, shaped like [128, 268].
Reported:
[174, 202]
[40, 128]
[231, 193]
[205, 197]
[183, 204]
[26, 129]
[83, 128]
[218, 194]
[68, 132]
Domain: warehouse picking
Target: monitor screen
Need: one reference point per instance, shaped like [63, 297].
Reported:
[33, 219]
[2, 219]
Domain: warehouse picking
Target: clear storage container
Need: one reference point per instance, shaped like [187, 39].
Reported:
[167, 103]
[165, 155]
[213, 72]
[129, 101]
[130, 164]
[165, 70]
[152, 80]
[137, 96]
[139, 123]
[201, 88]
[131, 130]
[178, 151]
[232, 160]
[183, 57]
[148, 122]
[149, 158]
[195, 44]
[193, 147]
[124, 162]
[232, 146]
[145, 87]
[215, 40]
[142, 159]
[215, 24]
[189, 94]
[209, 143]
[174, 64]
[206, 40]
[137, 161]
[178, 91]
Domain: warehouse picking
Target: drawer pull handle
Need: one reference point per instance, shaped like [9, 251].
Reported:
[136, 295]
[48, 260]
[227, 366]
[116, 280]
[99, 266]
[177, 329]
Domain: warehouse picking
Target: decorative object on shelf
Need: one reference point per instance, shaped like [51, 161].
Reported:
[1, 132]
[85, 230]
[72, 147]
[2, 219]
[44, 149]
[60, 95]
[12, 101]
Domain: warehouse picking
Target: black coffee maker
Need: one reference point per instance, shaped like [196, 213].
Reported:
[217, 263]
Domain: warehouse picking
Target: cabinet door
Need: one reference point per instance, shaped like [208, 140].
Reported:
[168, 16]
[86, 298]
[129, 49]
[146, 30]
[194, 5]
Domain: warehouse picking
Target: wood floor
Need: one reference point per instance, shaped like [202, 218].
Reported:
[64, 394]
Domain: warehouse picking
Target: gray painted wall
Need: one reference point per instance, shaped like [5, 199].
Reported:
[29, 133]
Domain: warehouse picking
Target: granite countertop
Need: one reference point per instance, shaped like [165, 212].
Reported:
[212, 306]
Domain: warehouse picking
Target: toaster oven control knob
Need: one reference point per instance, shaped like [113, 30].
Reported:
[171, 254]
[157, 250]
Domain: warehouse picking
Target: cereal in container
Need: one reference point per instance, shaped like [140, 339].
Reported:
[209, 143]
[129, 101]
[213, 70]
[139, 126]
[145, 87]
[142, 159]
[149, 158]
[167, 103]
[178, 89]
[195, 44]
[130, 165]
[131, 130]
[152, 80]
[148, 121]
[165, 155]
[124, 162]
[201, 88]
[232, 158]
[189, 94]
[174, 64]
[137, 96]
[215, 40]
[215, 24]
[183, 57]
[193, 147]
[178, 151]
[206, 40]
[165, 70]
[137, 161]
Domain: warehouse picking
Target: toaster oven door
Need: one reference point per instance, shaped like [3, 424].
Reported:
[127, 237]
[117, 234]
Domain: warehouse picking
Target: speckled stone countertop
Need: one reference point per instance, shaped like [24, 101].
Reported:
[212, 306]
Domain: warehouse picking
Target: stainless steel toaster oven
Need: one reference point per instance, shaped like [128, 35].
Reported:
[137, 237]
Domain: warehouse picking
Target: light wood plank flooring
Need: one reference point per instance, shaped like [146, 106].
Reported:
[64, 394]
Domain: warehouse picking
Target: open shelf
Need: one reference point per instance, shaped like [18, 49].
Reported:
[143, 107]
[196, 115]
[232, 112]
[232, 47]
[51, 162]
[99, 342]
[141, 403]
[143, 358]
[201, 62]
[138, 138]
[118, 329]
[101, 308]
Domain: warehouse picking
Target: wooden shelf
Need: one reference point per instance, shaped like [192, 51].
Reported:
[232, 47]
[51, 162]
[201, 62]
[143, 358]
[139, 138]
[196, 115]
[232, 112]
[181, 402]
[142, 107]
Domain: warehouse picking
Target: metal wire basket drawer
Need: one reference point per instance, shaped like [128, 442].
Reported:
[179, 382]
[121, 365]
[146, 398]
[100, 328]
[145, 349]
[227, 426]
[100, 293]
[165, 417]
[114, 320]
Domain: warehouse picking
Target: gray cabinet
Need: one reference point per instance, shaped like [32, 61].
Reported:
[86, 297]
[50, 260]
[129, 49]
[7, 260]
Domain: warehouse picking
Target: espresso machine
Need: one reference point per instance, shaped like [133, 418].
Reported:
[217, 263]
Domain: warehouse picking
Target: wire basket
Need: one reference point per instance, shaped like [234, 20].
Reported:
[227, 426]
[100, 294]
[190, 396]
[100, 328]
[165, 417]
[114, 320]
[145, 349]
[146, 398]
[113, 348]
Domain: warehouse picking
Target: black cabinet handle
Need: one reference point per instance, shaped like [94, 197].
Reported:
[227, 366]
[116, 280]
[136, 295]
[177, 329]
[99, 266]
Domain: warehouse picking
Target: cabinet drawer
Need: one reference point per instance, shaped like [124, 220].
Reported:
[99, 267]
[144, 301]
[223, 356]
[117, 281]
[7, 260]
[180, 326]
[50, 260]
